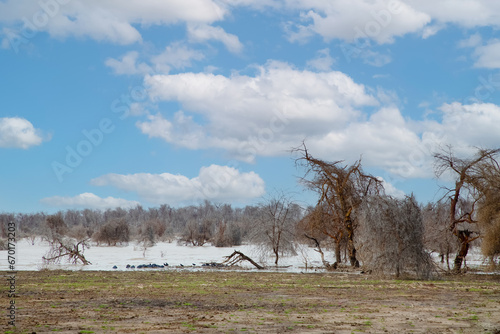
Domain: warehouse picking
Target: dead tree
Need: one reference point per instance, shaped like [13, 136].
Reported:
[114, 231]
[393, 237]
[471, 182]
[274, 229]
[67, 248]
[318, 249]
[438, 237]
[238, 257]
[341, 188]
[57, 228]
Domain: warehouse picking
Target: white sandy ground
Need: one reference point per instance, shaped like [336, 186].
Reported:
[103, 258]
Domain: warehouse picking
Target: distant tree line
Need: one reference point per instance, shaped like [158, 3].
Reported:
[219, 224]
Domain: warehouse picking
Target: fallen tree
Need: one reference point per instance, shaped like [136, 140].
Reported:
[238, 257]
[72, 249]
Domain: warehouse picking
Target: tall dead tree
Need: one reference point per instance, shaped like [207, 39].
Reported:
[341, 188]
[470, 183]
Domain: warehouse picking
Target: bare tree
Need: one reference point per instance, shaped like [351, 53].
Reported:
[113, 232]
[341, 189]
[438, 237]
[470, 183]
[274, 230]
[62, 246]
[67, 248]
[392, 236]
[57, 226]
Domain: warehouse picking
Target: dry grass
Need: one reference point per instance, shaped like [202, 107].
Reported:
[254, 302]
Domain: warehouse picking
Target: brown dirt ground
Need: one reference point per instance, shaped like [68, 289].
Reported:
[256, 302]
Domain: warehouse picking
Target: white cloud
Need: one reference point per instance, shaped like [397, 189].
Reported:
[18, 132]
[431, 30]
[382, 21]
[273, 111]
[404, 147]
[258, 4]
[376, 59]
[215, 183]
[108, 20]
[265, 114]
[379, 20]
[487, 55]
[181, 131]
[128, 64]
[176, 55]
[322, 62]
[88, 201]
[205, 32]
[120, 21]
[472, 41]
[384, 140]
[476, 124]
[465, 13]
[391, 190]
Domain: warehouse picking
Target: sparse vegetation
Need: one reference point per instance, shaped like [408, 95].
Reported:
[263, 302]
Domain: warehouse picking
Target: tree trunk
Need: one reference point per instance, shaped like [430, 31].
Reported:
[463, 236]
[338, 255]
[318, 249]
[350, 242]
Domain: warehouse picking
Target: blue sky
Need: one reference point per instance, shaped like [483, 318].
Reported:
[117, 103]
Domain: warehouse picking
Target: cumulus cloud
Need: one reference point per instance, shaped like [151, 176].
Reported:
[266, 114]
[379, 20]
[322, 62]
[385, 140]
[383, 21]
[88, 201]
[120, 21]
[205, 32]
[215, 183]
[391, 190]
[18, 132]
[487, 55]
[269, 113]
[107, 20]
[177, 55]
[128, 64]
[473, 41]
[376, 59]
[465, 13]
[475, 124]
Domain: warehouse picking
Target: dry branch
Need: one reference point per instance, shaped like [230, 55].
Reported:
[238, 257]
[318, 249]
[61, 249]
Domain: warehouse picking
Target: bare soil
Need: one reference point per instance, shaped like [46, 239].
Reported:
[218, 301]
